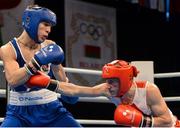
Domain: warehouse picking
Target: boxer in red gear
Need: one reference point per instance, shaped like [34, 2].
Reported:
[139, 103]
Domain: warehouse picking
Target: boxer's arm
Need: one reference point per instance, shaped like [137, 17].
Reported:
[14, 74]
[68, 89]
[71, 89]
[158, 106]
[59, 73]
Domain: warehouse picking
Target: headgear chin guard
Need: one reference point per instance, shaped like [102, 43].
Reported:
[33, 16]
[123, 71]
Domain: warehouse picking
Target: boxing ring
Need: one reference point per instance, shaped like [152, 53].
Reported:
[3, 93]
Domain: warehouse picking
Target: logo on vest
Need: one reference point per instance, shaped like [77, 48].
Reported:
[29, 98]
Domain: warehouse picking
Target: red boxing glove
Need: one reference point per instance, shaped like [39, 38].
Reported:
[128, 115]
[43, 81]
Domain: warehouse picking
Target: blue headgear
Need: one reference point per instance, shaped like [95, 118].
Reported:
[32, 18]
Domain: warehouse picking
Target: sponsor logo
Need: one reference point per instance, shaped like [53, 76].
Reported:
[30, 98]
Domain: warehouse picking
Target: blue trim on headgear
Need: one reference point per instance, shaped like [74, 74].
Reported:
[32, 17]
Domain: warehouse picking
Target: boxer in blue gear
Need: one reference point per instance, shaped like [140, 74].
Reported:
[35, 107]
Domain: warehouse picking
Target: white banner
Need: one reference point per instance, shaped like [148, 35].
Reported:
[90, 38]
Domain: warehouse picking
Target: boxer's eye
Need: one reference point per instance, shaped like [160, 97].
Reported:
[111, 81]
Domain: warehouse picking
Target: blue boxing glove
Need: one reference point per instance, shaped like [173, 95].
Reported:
[52, 53]
[70, 99]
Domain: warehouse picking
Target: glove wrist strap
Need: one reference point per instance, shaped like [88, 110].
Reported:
[30, 70]
[35, 64]
[147, 121]
[32, 67]
[53, 85]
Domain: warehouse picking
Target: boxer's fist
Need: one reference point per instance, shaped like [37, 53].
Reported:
[52, 53]
[128, 115]
[43, 81]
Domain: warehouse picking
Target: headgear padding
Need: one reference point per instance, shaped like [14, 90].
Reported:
[123, 71]
[32, 17]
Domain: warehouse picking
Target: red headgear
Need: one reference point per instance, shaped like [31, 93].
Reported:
[123, 71]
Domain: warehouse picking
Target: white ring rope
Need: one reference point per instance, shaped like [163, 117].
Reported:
[82, 71]
[107, 122]
[1, 63]
[167, 75]
[2, 93]
[95, 72]
[1, 119]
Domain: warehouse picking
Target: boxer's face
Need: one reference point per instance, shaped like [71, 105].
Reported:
[114, 82]
[43, 31]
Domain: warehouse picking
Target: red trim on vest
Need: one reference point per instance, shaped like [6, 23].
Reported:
[141, 84]
[177, 123]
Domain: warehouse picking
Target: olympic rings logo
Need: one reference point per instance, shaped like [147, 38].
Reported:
[94, 31]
